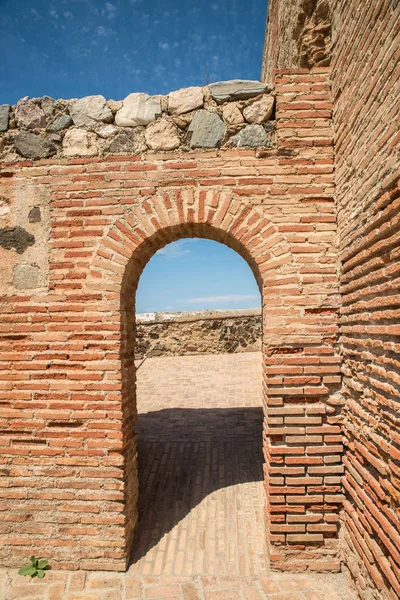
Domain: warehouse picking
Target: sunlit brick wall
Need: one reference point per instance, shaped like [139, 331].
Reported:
[366, 91]
[68, 448]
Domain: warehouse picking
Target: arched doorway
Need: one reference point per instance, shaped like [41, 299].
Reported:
[200, 417]
[132, 274]
[294, 391]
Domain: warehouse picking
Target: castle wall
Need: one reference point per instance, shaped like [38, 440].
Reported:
[67, 332]
[364, 54]
[366, 90]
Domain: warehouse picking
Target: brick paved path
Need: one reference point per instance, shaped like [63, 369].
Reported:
[61, 585]
[201, 532]
[200, 460]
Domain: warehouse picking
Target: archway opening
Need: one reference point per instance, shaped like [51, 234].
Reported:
[200, 418]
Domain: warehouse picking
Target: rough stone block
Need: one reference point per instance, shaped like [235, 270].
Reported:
[4, 115]
[29, 115]
[162, 135]
[138, 109]
[129, 141]
[78, 142]
[59, 123]
[17, 238]
[26, 276]
[252, 136]
[34, 215]
[185, 100]
[32, 145]
[232, 114]
[90, 110]
[236, 89]
[206, 130]
[259, 111]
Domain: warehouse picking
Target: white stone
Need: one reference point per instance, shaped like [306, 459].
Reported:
[162, 135]
[185, 100]
[259, 111]
[79, 142]
[138, 109]
[106, 131]
[232, 115]
[114, 105]
[90, 110]
[29, 115]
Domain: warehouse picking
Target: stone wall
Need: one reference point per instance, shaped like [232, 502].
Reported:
[228, 114]
[67, 381]
[366, 89]
[198, 332]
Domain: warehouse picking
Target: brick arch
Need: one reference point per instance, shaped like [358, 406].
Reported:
[290, 344]
[167, 217]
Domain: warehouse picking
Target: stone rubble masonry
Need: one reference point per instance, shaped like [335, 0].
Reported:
[194, 117]
[198, 332]
[365, 92]
[67, 382]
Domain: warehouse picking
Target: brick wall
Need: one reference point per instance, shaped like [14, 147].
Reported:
[67, 384]
[366, 88]
[298, 34]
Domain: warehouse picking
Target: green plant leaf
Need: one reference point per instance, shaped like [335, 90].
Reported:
[27, 570]
[42, 564]
[33, 559]
[40, 573]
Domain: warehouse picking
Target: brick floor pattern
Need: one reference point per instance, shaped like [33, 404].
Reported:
[201, 534]
[200, 467]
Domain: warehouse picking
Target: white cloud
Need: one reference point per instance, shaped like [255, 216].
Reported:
[109, 10]
[105, 31]
[223, 298]
[163, 45]
[175, 250]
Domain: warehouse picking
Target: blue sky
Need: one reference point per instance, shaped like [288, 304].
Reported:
[74, 48]
[193, 274]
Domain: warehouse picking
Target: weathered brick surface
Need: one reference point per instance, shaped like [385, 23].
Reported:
[365, 81]
[365, 92]
[102, 585]
[67, 381]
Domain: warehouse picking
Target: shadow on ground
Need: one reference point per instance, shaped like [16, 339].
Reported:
[184, 456]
